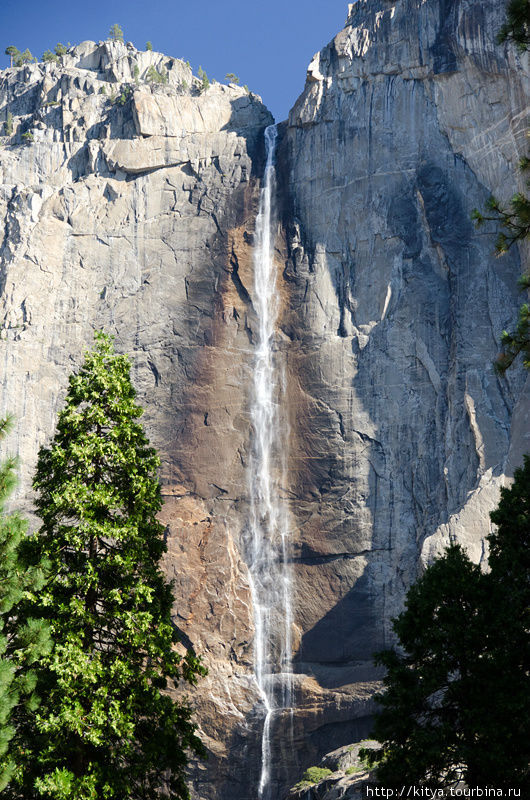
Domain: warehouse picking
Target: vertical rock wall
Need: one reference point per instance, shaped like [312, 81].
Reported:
[131, 208]
[402, 432]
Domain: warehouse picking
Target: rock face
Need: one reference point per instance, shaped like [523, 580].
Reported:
[402, 432]
[340, 775]
[133, 210]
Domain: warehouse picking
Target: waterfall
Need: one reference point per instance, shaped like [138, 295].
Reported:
[269, 544]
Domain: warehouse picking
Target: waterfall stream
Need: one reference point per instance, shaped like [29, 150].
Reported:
[268, 561]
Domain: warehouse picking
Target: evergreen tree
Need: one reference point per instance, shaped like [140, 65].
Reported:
[203, 77]
[21, 645]
[456, 704]
[517, 26]
[509, 625]
[427, 737]
[48, 56]
[26, 57]
[60, 49]
[116, 33]
[148, 46]
[106, 728]
[12, 52]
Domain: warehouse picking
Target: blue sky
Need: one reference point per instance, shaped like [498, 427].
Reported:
[268, 44]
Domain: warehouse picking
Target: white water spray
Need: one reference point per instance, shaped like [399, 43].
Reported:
[269, 545]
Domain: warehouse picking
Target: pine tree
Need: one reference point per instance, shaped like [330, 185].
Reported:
[107, 727]
[116, 33]
[49, 57]
[26, 57]
[517, 26]
[21, 645]
[456, 704]
[12, 52]
[509, 626]
[203, 77]
[427, 737]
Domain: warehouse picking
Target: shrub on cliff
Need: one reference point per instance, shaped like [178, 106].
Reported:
[106, 728]
[456, 704]
[22, 643]
[153, 76]
[203, 77]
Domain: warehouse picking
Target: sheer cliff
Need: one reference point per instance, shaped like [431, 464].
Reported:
[131, 207]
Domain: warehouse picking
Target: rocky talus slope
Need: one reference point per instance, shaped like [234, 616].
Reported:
[131, 207]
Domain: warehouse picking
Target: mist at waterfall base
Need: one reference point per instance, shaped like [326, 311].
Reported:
[264, 44]
[267, 534]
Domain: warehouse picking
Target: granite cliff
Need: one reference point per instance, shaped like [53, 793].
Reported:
[134, 210]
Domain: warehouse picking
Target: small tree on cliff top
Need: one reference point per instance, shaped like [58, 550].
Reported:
[116, 33]
[106, 728]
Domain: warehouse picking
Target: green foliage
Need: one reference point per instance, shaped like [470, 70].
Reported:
[106, 727]
[60, 49]
[516, 29]
[516, 223]
[13, 52]
[245, 87]
[136, 73]
[21, 643]
[125, 96]
[153, 76]
[231, 78]
[148, 46]
[311, 776]
[456, 704]
[27, 137]
[509, 632]
[20, 59]
[354, 770]
[102, 90]
[116, 33]
[203, 77]
[8, 124]
[518, 341]
[423, 725]
[48, 56]
[184, 86]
